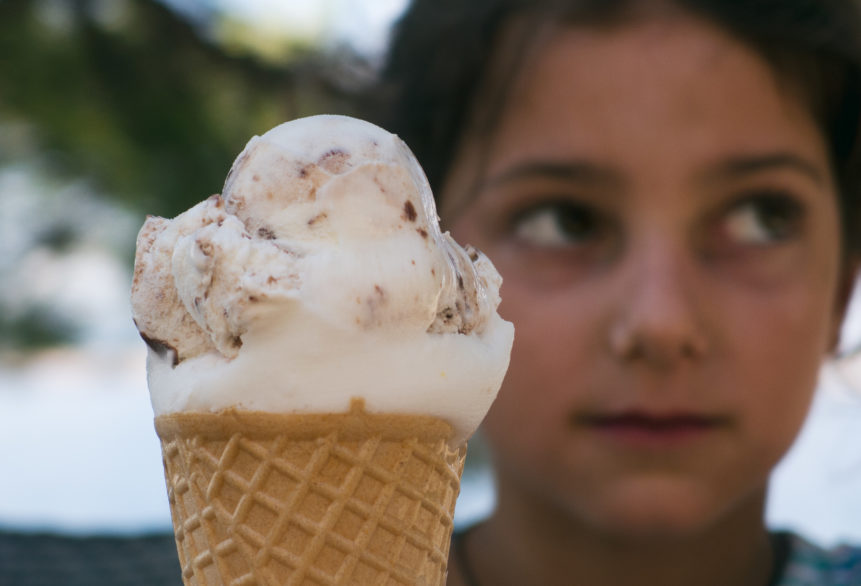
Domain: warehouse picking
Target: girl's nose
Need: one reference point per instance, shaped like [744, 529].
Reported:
[659, 321]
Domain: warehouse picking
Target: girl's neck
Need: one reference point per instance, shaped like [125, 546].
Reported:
[526, 542]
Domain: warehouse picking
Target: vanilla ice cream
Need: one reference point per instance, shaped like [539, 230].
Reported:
[319, 275]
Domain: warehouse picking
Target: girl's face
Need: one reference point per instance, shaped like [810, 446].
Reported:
[661, 208]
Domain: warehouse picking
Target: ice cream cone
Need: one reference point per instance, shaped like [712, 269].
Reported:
[352, 498]
[319, 274]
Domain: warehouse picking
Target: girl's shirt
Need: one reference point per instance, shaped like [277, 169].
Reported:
[806, 564]
[798, 562]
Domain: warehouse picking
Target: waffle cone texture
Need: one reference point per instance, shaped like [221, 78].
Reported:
[353, 498]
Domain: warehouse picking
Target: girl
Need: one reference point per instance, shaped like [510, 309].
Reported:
[669, 189]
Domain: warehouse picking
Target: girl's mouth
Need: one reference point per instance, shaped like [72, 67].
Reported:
[637, 428]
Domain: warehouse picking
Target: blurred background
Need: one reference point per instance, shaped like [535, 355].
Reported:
[113, 109]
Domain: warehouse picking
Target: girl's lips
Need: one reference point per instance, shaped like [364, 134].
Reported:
[652, 430]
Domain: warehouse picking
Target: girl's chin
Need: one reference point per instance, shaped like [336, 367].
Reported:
[639, 525]
[670, 513]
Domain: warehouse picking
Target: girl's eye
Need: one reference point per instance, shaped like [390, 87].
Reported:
[763, 219]
[556, 224]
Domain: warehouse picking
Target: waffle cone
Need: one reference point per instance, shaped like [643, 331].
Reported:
[353, 498]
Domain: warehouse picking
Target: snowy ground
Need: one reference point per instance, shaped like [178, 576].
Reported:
[81, 454]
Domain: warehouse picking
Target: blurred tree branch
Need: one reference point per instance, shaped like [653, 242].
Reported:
[144, 106]
[139, 104]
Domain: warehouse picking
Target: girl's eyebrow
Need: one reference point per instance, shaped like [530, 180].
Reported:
[577, 170]
[590, 173]
[745, 165]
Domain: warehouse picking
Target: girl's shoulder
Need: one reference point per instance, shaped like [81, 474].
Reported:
[807, 564]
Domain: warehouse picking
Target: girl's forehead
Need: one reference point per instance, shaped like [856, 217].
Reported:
[630, 32]
[654, 64]
[604, 87]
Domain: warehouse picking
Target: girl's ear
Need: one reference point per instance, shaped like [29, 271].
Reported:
[845, 288]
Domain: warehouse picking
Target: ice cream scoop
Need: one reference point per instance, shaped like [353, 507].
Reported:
[318, 276]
